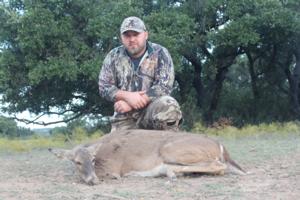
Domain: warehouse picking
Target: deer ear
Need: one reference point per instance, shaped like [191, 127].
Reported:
[62, 153]
[93, 149]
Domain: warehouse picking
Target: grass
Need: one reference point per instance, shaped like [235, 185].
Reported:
[80, 136]
[21, 145]
[250, 130]
[272, 157]
[40, 142]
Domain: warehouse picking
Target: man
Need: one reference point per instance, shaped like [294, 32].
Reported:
[138, 77]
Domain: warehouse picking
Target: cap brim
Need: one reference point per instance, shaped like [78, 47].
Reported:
[132, 29]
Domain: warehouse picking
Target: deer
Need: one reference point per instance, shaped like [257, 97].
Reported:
[149, 153]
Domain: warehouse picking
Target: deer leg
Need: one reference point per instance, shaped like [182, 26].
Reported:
[161, 170]
[170, 174]
[214, 167]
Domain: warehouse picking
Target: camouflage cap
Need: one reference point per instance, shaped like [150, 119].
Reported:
[132, 24]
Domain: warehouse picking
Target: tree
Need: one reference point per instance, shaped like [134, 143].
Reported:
[9, 128]
[229, 29]
[237, 59]
[52, 52]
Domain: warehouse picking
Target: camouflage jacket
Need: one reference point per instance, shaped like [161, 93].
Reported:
[155, 73]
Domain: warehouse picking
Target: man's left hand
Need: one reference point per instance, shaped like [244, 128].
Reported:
[122, 107]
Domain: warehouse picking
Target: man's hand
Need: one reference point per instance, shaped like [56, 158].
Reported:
[122, 107]
[136, 100]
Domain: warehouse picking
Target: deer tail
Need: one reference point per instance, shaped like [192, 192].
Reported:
[226, 158]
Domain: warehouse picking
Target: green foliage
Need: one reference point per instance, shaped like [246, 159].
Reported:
[233, 59]
[237, 90]
[79, 134]
[236, 33]
[171, 28]
[77, 131]
[9, 128]
[53, 54]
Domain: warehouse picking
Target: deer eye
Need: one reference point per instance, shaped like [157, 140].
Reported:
[78, 163]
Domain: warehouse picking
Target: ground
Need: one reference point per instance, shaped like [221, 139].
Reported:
[272, 159]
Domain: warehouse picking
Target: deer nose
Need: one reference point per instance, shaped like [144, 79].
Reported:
[92, 180]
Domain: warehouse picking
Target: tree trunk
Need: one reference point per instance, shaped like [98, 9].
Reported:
[254, 88]
[294, 80]
[198, 85]
[183, 88]
[197, 80]
[217, 86]
[252, 76]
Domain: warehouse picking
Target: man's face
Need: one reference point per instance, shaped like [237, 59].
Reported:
[134, 42]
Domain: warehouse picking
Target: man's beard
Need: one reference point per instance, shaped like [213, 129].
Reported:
[136, 51]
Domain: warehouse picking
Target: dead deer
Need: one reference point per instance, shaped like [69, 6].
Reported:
[148, 153]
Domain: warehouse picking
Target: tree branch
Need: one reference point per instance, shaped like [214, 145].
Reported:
[34, 121]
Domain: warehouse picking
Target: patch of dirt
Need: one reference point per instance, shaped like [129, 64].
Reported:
[273, 160]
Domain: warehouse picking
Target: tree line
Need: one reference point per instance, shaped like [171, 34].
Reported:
[10, 129]
[238, 60]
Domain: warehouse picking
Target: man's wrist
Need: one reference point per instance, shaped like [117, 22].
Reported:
[120, 95]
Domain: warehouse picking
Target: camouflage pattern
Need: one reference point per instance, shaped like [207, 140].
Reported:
[132, 24]
[155, 75]
[162, 114]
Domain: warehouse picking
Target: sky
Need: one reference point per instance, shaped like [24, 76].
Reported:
[29, 116]
[46, 118]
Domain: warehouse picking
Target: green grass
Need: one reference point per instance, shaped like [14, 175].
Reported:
[250, 130]
[21, 145]
[80, 136]
[36, 142]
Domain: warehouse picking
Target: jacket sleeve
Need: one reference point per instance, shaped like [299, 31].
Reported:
[107, 79]
[164, 76]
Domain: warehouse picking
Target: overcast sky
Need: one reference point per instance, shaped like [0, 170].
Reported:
[46, 118]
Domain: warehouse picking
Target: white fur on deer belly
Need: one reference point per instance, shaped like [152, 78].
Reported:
[160, 170]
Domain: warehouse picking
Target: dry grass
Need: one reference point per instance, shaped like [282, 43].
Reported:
[273, 160]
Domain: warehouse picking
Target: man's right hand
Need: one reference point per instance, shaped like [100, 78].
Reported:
[122, 107]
